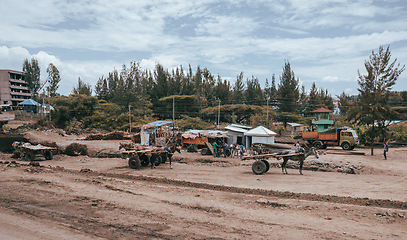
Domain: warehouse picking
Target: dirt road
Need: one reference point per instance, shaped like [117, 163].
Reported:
[202, 198]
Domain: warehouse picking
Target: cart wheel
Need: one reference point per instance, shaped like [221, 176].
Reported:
[228, 152]
[22, 154]
[158, 160]
[259, 167]
[48, 155]
[267, 165]
[204, 151]
[145, 160]
[134, 162]
[30, 156]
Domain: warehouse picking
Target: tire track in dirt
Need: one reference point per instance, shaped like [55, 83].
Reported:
[384, 203]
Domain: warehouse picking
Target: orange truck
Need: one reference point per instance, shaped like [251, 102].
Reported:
[343, 137]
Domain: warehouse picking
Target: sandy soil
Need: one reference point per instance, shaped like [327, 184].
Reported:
[201, 197]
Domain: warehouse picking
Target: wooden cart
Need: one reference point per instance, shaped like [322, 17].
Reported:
[261, 165]
[30, 152]
[145, 156]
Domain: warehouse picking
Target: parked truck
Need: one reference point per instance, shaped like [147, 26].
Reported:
[344, 137]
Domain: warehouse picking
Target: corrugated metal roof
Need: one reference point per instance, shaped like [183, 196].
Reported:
[206, 133]
[235, 129]
[159, 123]
[29, 102]
[322, 110]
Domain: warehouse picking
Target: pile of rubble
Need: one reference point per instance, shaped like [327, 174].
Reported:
[318, 165]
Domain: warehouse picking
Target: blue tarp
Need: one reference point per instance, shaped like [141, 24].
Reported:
[29, 102]
[159, 123]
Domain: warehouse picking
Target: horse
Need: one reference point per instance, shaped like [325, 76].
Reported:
[303, 153]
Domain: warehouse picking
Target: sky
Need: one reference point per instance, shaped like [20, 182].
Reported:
[326, 42]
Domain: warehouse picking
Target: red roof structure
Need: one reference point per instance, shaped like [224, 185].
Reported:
[322, 110]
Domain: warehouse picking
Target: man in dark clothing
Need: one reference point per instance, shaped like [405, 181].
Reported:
[386, 148]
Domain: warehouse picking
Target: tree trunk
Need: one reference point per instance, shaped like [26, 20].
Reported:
[371, 149]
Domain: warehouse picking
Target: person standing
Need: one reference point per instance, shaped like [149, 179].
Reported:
[386, 148]
[297, 147]
[215, 148]
[241, 151]
[225, 148]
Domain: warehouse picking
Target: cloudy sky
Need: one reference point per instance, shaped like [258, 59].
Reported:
[325, 41]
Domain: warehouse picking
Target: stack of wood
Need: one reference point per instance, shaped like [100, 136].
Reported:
[116, 135]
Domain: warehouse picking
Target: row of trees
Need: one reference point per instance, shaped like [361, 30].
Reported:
[32, 74]
[197, 90]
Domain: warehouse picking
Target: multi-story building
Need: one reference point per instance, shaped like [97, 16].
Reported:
[13, 88]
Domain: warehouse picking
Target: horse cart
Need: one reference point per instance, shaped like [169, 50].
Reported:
[261, 165]
[29, 152]
[154, 156]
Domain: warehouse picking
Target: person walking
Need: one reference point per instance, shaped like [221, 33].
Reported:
[386, 148]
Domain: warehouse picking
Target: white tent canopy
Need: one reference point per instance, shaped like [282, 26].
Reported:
[259, 134]
[260, 131]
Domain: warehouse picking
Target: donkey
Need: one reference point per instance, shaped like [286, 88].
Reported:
[171, 150]
[303, 154]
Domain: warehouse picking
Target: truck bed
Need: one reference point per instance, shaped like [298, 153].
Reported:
[326, 136]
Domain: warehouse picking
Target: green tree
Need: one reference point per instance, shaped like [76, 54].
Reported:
[72, 108]
[371, 109]
[345, 101]
[302, 102]
[288, 91]
[270, 91]
[53, 80]
[101, 89]
[238, 90]
[314, 100]
[222, 90]
[32, 74]
[253, 93]
[82, 88]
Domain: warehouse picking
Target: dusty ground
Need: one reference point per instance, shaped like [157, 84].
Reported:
[202, 197]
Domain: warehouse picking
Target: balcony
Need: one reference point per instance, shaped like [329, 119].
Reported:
[322, 122]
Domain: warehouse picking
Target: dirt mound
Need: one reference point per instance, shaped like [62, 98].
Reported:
[76, 149]
[6, 141]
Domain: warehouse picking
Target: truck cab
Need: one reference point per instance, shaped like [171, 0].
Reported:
[348, 139]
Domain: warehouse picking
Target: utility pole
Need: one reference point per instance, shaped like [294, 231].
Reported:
[173, 113]
[49, 108]
[218, 113]
[129, 119]
[267, 119]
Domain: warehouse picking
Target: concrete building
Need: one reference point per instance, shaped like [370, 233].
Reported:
[236, 133]
[13, 88]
